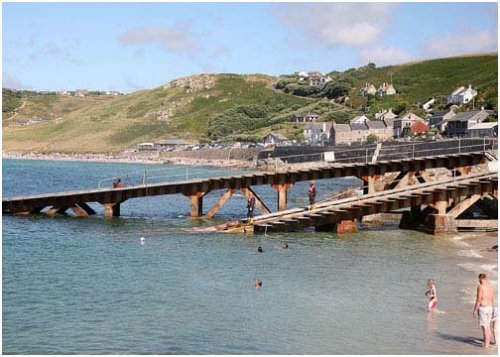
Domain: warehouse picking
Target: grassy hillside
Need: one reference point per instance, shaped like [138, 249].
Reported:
[186, 110]
[415, 83]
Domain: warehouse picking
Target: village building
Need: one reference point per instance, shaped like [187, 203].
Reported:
[274, 139]
[439, 120]
[462, 95]
[386, 89]
[81, 93]
[168, 144]
[359, 120]
[146, 147]
[315, 78]
[317, 133]
[308, 117]
[385, 114]
[368, 89]
[482, 130]
[460, 124]
[357, 131]
[427, 106]
[404, 125]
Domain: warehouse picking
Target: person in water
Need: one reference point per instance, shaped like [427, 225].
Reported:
[494, 327]
[258, 284]
[431, 295]
[260, 250]
[285, 245]
[117, 183]
[483, 307]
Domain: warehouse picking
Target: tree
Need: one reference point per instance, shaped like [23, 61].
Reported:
[372, 138]
[336, 89]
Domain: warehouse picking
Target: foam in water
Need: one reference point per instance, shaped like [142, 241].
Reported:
[469, 253]
[459, 241]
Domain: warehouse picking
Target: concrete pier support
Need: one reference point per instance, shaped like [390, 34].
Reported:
[196, 204]
[111, 209]
[412, 219]
[440, 224]
[282, 195]
[346, 226]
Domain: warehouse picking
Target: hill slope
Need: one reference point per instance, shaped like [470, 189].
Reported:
[193, 108]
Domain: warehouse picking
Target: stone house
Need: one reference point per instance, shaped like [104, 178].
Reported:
[381, 129]
[308, 117]
[385, 114]
[439, 120]
[462, 95]
[359, 120]
[462, 122]
[315, 78]
[368, 89]
[403, 124]
[347, 134]
[482, 130]
[386, 89]
[274, 139]
[317, 133]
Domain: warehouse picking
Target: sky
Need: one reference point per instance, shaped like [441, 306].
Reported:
[132, 46]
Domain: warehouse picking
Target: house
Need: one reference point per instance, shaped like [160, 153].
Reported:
[482, 130]
[368, 89]
[462, 122]
[315, 78]
[81, 93]
[171, 143]
[308, 117]
[274, 139]
[380, 129]
[317, 133]
[359, 120]
[439, 120]
[428, 105]
[385, 114]
[462, 95]
[403, 125]
[341, 134]
[146, 147]
[386, 89]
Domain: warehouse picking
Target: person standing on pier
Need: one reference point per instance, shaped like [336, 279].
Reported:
[311, 192]
[250, 207]
[484, 307]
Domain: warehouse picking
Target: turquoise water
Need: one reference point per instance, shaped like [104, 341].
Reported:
[88, 286]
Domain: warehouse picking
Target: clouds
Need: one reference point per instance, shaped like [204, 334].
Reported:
[384, 55]
[466, 42]
[338, 24]
[177, 39]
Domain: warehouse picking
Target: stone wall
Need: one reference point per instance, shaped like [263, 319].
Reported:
[248, 154]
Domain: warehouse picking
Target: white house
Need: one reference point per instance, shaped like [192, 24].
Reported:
[386, 89]
[462, 95]
[359, 120]
[274, 139]
[428, 105]
[317, 133]
[315, 78]
[368, 89]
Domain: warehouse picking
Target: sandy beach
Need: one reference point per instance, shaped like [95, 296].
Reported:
[128, 157]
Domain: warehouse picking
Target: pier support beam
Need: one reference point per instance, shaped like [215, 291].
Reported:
[258, 202]
[196, 204]
[56, 210]
[346, 226]
[220, 202]
[111, 209]
[282, 195]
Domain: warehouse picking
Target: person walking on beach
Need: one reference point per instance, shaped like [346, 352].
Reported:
[431, 295]
[250, 207]
[483, 307]
[311, 192]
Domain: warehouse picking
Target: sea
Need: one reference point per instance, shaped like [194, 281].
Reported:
[93, 286]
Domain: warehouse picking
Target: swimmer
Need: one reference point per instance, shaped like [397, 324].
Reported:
[285, 245]
[260, 250]
[258, 283]
[143, 240]
[431, 295]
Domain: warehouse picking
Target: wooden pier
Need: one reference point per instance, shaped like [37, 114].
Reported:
[112, 198]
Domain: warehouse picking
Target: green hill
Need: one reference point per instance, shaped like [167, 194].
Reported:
[415, 83]
[197, 108]
[229, 107]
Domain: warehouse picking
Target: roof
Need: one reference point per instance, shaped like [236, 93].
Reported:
[376, 124]
[419, 127]
[359, 126]
[410, 116]
[466, 116]
[480, 126]
[277, 136]
[318, 125]
[389, 121]
[342, 128]
[172, 142]
[353, 120]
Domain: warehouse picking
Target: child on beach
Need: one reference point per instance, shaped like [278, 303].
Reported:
[432, 295]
